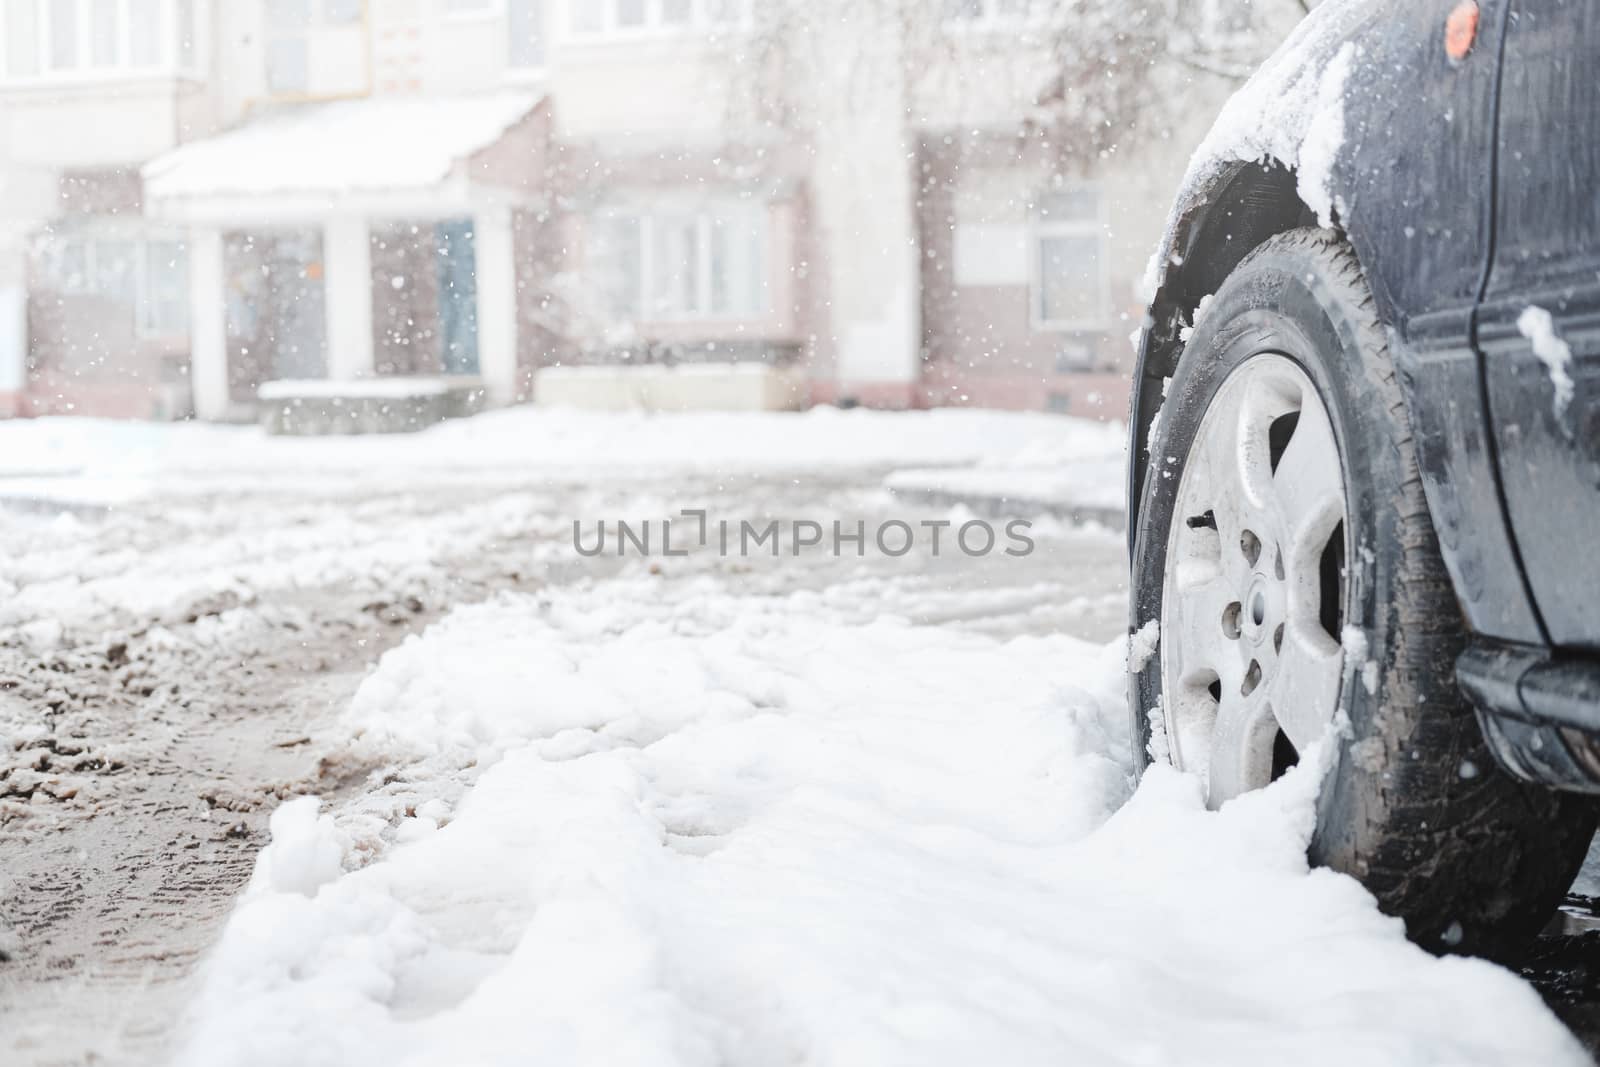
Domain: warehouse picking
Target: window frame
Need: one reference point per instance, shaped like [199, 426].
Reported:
[169, 62]
[650, 223]
[1040, 229]
[89, 244]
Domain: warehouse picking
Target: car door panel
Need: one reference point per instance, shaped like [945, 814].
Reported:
[1415, 183]
[1547, 256]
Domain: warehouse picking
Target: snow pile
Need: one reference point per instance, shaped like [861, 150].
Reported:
[1537, 326]
[307, 854]
[707, 829]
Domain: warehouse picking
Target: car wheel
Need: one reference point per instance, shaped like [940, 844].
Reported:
[1284, 548]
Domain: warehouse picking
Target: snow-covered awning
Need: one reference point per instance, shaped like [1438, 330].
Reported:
[345, 152]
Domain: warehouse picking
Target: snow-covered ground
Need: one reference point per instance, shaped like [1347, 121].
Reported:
[857, 810]
[693, 827]
[89, 461]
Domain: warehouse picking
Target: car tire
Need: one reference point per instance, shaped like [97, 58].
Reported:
[1413, 805]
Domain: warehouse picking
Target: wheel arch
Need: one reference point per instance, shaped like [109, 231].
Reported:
[1245, 205]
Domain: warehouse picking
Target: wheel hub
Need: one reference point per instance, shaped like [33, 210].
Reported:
[1261, 597]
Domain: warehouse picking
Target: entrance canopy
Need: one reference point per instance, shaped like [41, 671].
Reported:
[431, 156]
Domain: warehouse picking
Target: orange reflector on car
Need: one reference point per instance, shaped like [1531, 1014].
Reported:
[1461, 29]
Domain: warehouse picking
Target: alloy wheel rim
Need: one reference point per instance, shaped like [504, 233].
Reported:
[1253, 595]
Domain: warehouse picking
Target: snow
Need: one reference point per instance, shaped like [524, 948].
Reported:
[644, 823]
[88, 578]
[1291, 110]
[401, 142]
[1536, 324]
[690, 370]
[308, 850]
[1200, 309]
[1159, 748]
[1354, 642]
[1082, 469]
[545, 442]
[1143, 645]
[396, 388]
[1324, 136]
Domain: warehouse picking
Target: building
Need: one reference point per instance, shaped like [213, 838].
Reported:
[200, 197]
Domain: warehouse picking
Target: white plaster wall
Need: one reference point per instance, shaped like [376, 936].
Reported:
[27, 198]
[864, 187]
[670, 89]
[97, 125]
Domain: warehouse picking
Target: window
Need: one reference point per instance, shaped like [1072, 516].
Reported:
[148, 277]
[22, 38]
[290, 26]
[77, 37]
[586, 17]
[709, 264]
[63, 34]
[469, 7]
[164, 289]
[105, 32]
[185, 31]
[1071, 290]
[144, 26]
[525, 19]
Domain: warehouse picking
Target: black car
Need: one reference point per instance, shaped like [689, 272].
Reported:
[1364, 497]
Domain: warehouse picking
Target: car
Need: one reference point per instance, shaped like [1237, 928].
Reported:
[1364, 479]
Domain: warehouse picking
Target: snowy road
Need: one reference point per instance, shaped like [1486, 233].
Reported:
[671, 810]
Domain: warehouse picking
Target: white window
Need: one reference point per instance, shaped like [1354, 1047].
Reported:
[147, 276]
[624, 17]
[1071, 289]
[525, 23]
[98, 37]
[706, 264]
